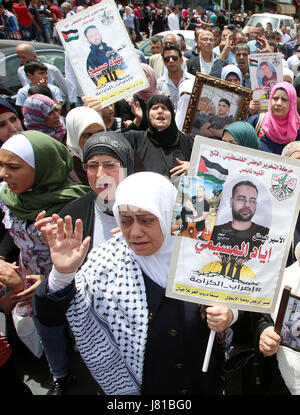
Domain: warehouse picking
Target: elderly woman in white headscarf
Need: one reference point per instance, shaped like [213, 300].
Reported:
[231, 73]
[133, 338]
[81, 124]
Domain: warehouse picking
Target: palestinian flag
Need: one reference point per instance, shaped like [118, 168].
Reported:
[253, 62]
[212, 171]
[70, 35]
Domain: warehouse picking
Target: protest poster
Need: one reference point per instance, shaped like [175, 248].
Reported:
[257, 200]
[287, 323]
[265, 71]
[213, 104]
[101, 53]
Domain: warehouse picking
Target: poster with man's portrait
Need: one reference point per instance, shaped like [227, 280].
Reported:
[101, 53]
[215, 103]
[242, 262]
[265, 71]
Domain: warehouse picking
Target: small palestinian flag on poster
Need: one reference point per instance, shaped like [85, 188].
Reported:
[70, 35]
[253, 62]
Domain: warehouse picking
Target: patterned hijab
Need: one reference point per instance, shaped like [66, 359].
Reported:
[35, 110]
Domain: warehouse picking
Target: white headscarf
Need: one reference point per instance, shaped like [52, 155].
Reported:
[21, 146]
[231, 69]
[155, 194]
[77, 120]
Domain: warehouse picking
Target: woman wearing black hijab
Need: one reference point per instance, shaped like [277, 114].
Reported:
[95, 208]
[162, 147]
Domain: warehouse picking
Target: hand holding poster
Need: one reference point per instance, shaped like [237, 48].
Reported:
[265, 71]
[101, 53]
[239, 258]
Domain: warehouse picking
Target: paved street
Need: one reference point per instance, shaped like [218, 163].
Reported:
[35, 372]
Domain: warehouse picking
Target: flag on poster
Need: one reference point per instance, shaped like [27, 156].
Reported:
[238, 255]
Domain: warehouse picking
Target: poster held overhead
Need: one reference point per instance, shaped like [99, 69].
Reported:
[100, 51]
[265, 71]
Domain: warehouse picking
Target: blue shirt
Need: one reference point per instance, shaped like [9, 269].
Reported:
[23, 94]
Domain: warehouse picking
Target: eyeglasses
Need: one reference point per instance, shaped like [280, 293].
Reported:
[243, 199]
[174, 57]
[207, 39]
[106, 165]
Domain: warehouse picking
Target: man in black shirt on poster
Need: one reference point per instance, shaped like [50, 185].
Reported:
[241, 229]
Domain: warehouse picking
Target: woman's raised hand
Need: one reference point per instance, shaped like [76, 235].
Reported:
[66, 246]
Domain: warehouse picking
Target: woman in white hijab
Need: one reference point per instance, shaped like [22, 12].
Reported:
[231, 73]
[81, 124]
[133, 338]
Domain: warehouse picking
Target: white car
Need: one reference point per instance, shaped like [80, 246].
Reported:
[276, 21]
[189, 36]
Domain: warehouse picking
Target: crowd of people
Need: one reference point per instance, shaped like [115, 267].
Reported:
[87, 195]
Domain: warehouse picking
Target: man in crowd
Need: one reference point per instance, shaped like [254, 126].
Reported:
[241, 52]
[9, 25]
[156, 45]
[254, 45]
[26, 53]
[292, 46]
[156, 61]
[285, 36]
[204, 61]
[37, 73]
[173, 19]
[190, 53]
[169, 83]
[24, 18]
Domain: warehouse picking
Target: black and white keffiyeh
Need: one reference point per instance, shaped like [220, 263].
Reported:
[109, 313]
[109, 318]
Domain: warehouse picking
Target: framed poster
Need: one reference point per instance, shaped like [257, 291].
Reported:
[215, 103]
[101, 53]
[240, 257]
[287, 324]
[265, 71]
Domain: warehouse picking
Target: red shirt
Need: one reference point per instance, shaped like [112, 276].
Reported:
[22, 15]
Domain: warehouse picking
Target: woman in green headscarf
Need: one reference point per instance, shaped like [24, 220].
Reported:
[241, 133]
[50, 164]
[34, 168]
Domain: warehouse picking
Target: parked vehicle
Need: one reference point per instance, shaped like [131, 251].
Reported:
[276, 20]
[9, 64]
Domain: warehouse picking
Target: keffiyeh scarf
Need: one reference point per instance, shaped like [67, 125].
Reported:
[109, 318]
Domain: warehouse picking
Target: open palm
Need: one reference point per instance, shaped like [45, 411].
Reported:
[66, 246]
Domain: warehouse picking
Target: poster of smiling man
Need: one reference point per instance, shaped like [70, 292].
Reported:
[265, 71]
[241, 264]
[101, 53]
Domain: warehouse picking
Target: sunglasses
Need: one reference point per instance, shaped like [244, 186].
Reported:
[174, 57]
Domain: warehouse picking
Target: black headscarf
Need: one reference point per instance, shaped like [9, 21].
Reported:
[169, 137]
[112, 144]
